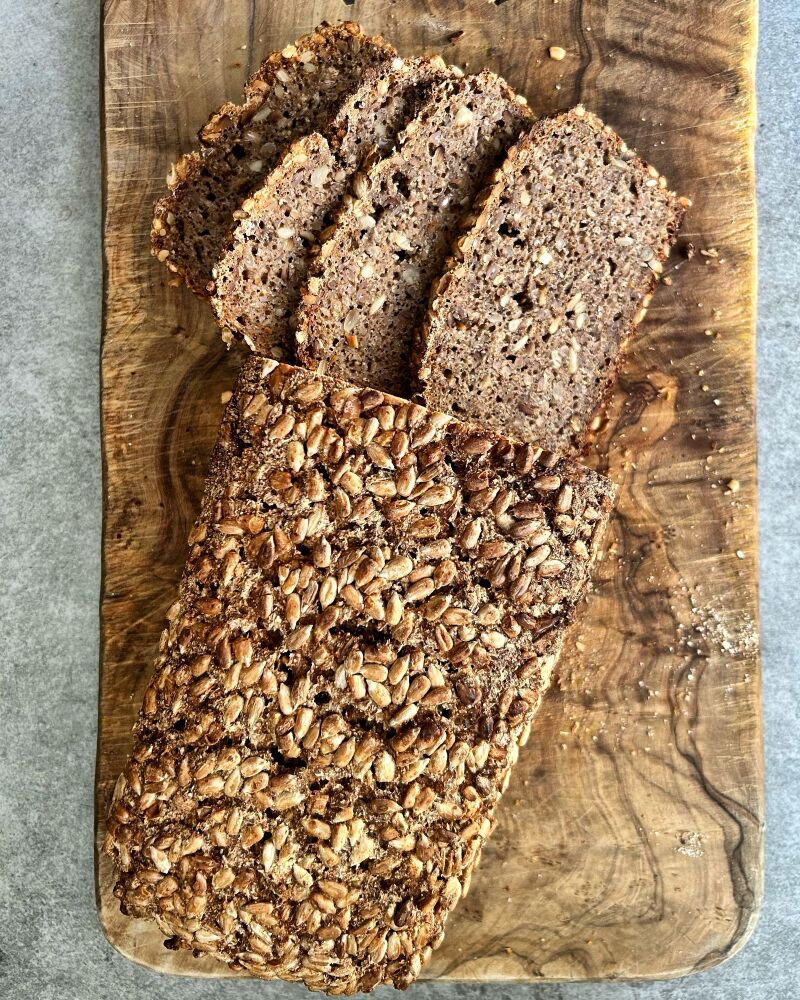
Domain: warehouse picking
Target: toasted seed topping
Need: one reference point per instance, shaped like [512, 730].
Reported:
[345, 678]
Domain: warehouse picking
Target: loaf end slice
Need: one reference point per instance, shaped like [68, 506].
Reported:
[294, 92]
[371, 608]
[257, 282]
[368, 289]
[526, 328]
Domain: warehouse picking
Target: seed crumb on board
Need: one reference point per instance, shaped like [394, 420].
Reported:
[690, 843]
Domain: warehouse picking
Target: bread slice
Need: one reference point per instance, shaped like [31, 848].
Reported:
[369, 288]
[259, 278]
[373, 601]
[294, 92]
[526, 328]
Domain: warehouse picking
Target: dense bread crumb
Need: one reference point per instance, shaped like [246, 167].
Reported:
[294, 92]
[371, 608]
[526, 327]
[368, 290]
[258, 280]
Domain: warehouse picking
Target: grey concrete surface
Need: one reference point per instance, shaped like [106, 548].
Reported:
[51, 947]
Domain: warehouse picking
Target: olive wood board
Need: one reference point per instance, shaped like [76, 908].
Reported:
[630, 842]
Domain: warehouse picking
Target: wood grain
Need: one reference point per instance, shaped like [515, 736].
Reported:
[631, 842]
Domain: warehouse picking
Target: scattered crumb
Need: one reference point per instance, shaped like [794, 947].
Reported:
[225, 397]
[690, 843]
[557, 53]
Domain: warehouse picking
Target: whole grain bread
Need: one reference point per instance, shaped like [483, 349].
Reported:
[294, 92]
[371, 608]
[526, 327]
[260, 276]
[369, 286]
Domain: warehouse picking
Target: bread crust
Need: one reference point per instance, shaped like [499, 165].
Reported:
[372, 605]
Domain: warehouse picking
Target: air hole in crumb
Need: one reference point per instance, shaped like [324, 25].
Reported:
[400, 181]
[290, 763]
[523, 300]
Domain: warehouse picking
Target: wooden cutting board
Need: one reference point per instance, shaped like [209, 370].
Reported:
[630, 843]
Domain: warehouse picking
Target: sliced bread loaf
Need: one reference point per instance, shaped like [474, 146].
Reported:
[259, 278]
[369, 285]
[526, 327]
[294, 92]
[373, 602]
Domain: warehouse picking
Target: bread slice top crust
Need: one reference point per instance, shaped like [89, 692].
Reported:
[526, 328]
[294, 92]
[369, 286]
[373, 601]
[259, 279]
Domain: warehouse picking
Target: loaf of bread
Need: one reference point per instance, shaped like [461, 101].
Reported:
[526, 327]
[257, 282]
[293, 93]
[369, 286]
[371, 608]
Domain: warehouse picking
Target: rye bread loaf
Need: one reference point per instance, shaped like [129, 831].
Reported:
[373, 601]
[294, 92]
[526, 327]
[369, 285]
[257, 282]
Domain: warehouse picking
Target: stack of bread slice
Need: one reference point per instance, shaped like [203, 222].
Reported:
[395, 534]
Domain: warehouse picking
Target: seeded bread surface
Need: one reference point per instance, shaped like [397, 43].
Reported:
[371, 608]
[259, 278]
[369, 286]
[294, 92]
[527, 325]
